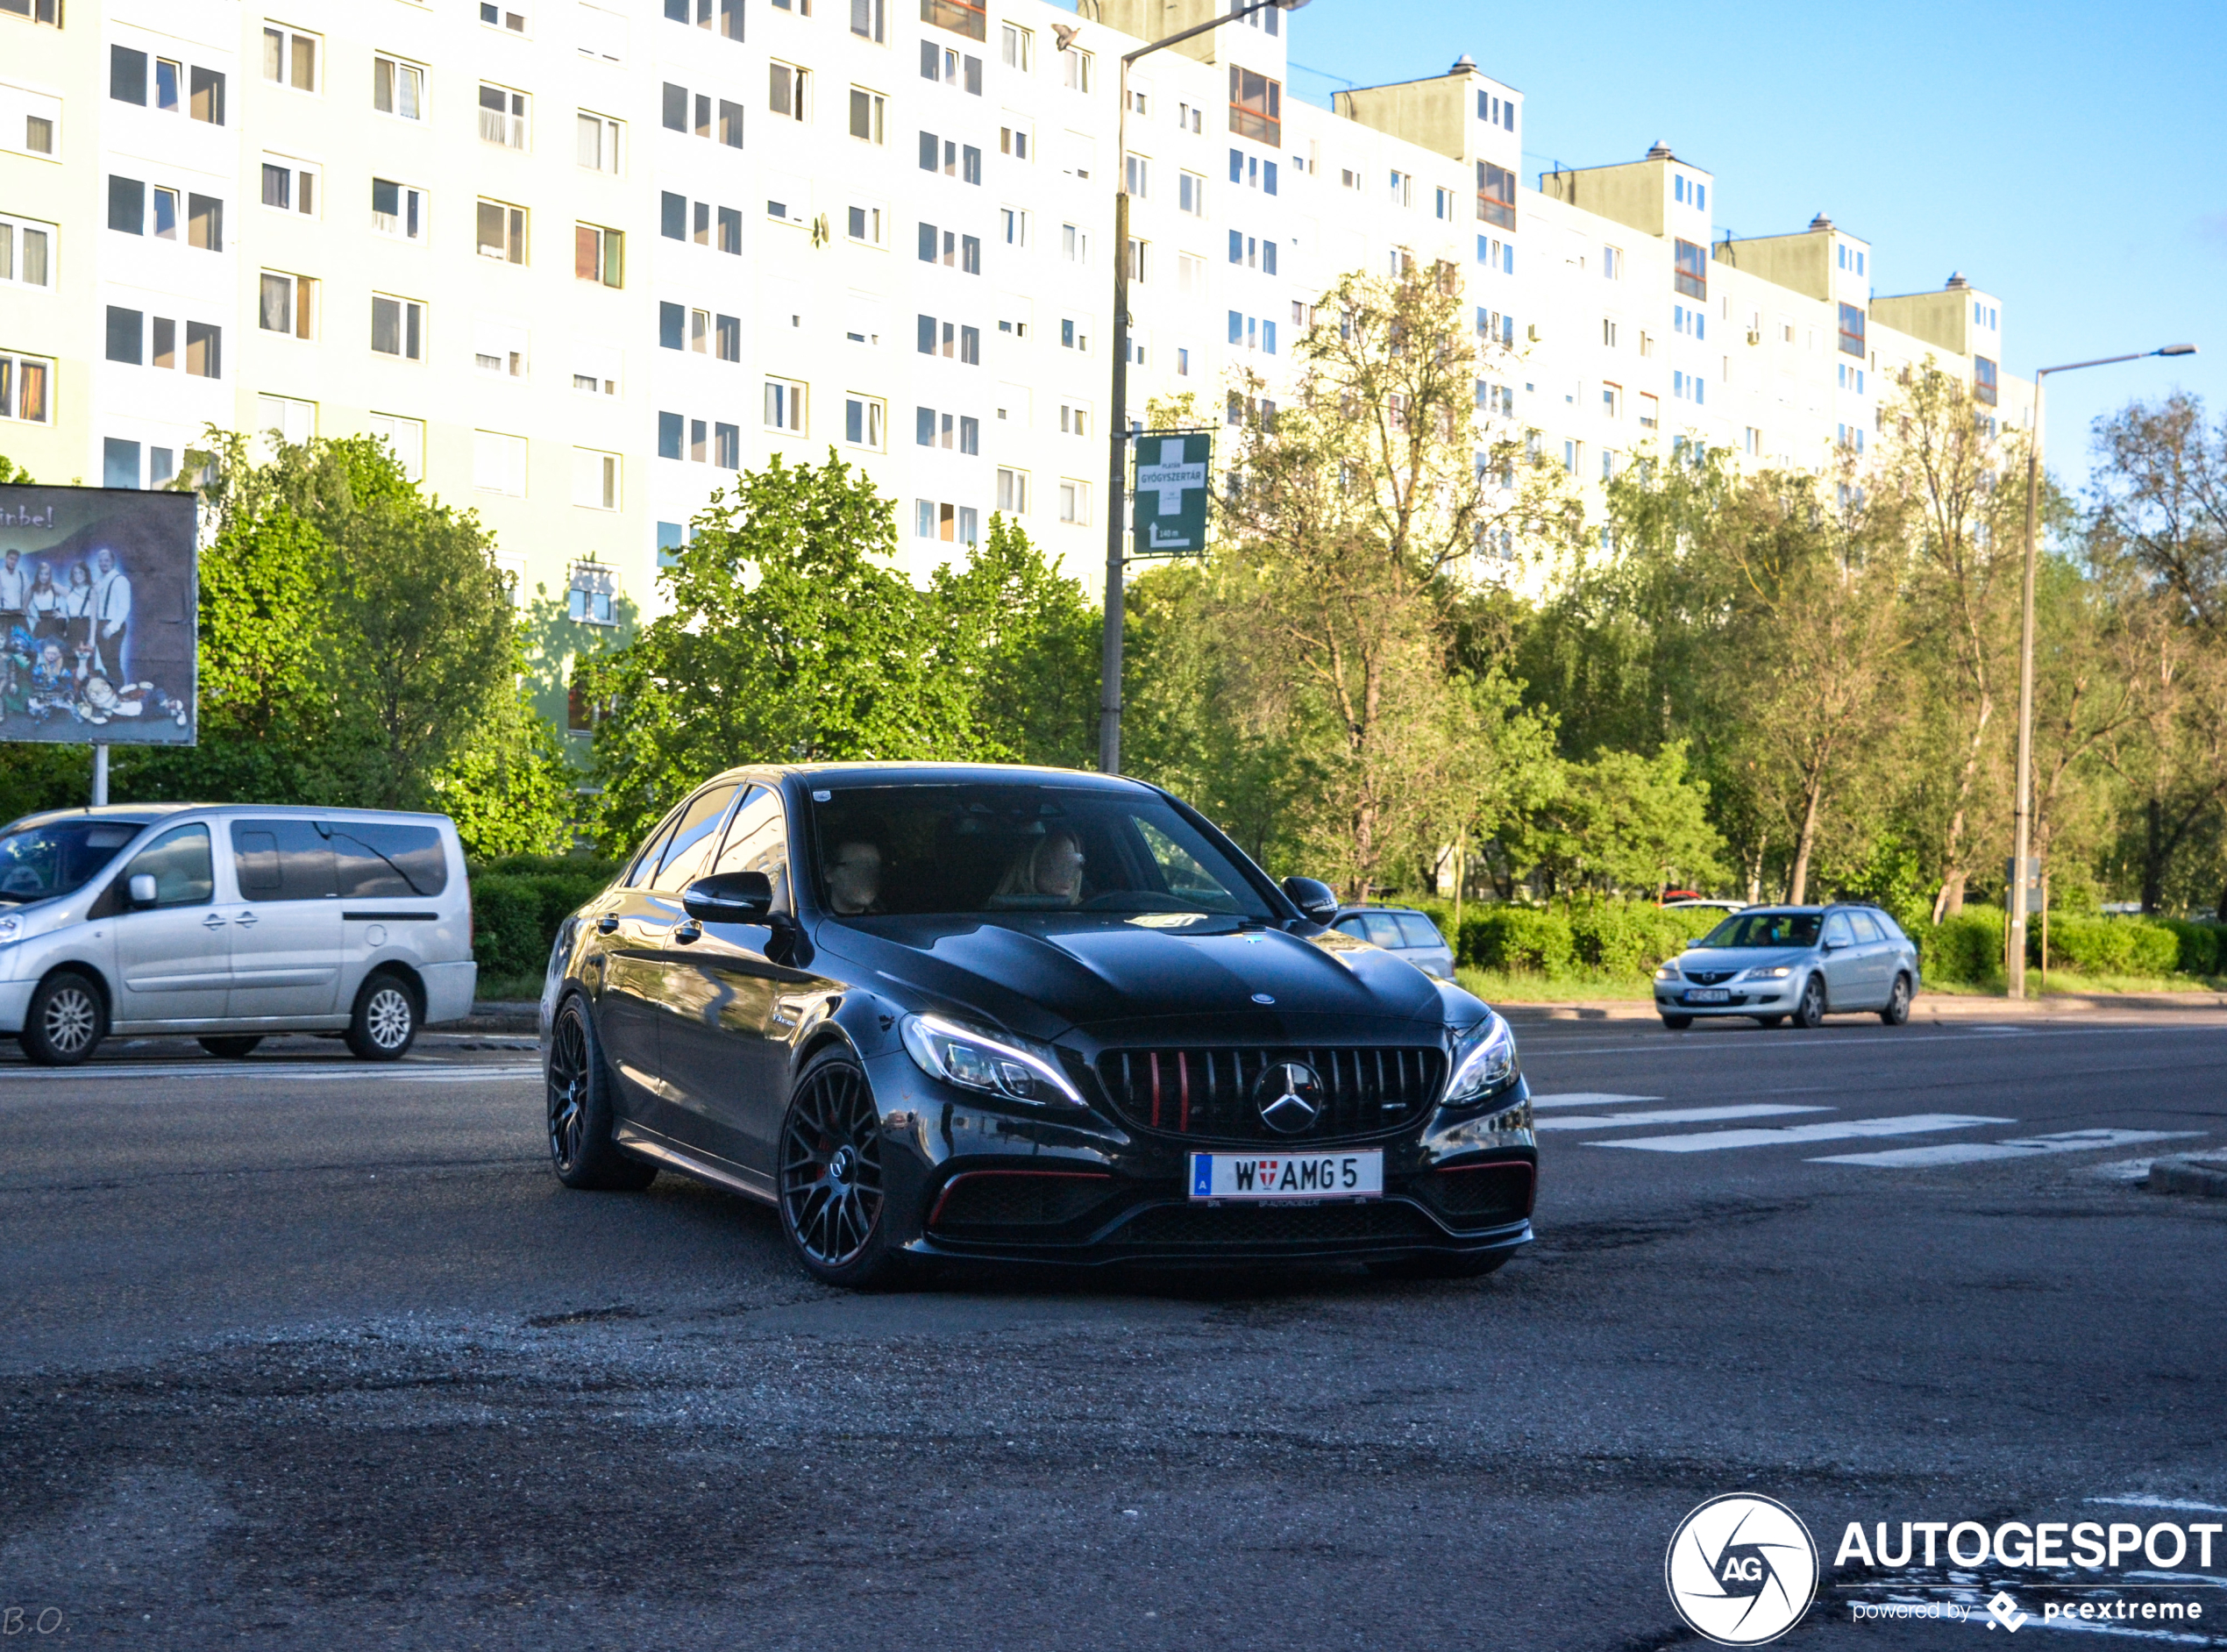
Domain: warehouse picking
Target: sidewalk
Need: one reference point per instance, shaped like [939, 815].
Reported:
[1931, 1007]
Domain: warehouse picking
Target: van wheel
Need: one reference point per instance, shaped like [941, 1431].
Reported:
[66, 1020]
[231, 1046]
[385, 1022]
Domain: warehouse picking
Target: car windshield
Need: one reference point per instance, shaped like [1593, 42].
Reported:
[41, 862]
[1765, 928]
[990, 848]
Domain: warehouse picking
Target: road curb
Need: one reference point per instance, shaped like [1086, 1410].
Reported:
[497, 1015]
[1929, 1006]
[2190, 1176]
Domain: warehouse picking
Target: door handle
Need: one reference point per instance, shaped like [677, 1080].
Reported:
[246, 919]
[687, 931]
[214, 920]
[607, 924]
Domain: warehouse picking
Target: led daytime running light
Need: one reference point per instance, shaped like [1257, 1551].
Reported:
[925, 1035]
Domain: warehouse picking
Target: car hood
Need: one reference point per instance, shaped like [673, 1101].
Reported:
[1740, 958]
[1116, 977]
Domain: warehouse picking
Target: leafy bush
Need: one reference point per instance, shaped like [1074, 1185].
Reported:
[1963, 950]
[1613, 938]
[2204, 947]
[517, 902]
[2114, 946]
[1518, 938]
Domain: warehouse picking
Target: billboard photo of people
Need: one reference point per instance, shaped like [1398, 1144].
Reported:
[98, 600]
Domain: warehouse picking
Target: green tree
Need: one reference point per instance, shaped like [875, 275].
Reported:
[1023, 640]
[1625, 823]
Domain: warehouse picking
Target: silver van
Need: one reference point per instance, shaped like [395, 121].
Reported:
[228, 923]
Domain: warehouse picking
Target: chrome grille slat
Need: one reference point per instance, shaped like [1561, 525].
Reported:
[1366, 1090]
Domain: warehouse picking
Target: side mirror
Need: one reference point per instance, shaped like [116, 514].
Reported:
[141, 891]
[1315, 898]
[730, 897]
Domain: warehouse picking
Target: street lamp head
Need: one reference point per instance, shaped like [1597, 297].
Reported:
[1066, 32]
[2178, 350]
[1291, 5]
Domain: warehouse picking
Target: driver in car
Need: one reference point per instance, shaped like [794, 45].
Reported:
[854, 879]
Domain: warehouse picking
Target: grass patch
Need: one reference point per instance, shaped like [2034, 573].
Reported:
[2068, 981]
[1523, 986]
[507, 989]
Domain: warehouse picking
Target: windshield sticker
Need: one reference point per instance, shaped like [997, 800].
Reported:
[1168, 920]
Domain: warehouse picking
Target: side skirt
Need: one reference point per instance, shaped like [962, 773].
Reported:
[717, 1171]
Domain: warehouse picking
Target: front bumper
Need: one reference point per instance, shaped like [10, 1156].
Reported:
[15, 1002]
[1743, 998]
[989, 1184]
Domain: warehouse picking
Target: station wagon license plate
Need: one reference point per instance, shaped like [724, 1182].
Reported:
[1707, 995]
[1288, 1176]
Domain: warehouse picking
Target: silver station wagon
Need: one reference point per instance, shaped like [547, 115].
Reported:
[229, 922]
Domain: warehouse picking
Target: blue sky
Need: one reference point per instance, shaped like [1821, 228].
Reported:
[2071, 159]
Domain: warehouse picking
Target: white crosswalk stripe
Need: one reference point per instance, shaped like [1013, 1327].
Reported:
[1799, 1135]
[1668, 1115]
[2028, 1147]
[1587, 1099]
[291, 1072]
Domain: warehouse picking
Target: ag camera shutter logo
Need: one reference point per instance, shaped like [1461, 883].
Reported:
[1742, 1570]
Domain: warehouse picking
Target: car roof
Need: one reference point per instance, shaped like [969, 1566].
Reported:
[147, 814]
[917, 773]
[125, 814]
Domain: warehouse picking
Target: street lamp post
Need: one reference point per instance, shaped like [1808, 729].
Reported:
[2022, 805]
[1109, 702]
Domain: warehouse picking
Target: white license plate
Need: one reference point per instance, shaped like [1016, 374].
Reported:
[1273, 1176]
[1707, 995]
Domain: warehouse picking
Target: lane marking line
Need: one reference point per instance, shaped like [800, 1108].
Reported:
[2028, 1147]
[1796, 1135]
[430, 1073]
[1670, 1115]
[1588, 1099]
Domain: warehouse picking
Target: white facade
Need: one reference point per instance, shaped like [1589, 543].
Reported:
[579, 259]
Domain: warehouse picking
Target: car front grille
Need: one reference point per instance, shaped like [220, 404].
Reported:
[1710, 978]
[1207, 1094]
[1275, 1224]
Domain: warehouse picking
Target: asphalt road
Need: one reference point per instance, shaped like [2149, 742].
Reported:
[294, 1352]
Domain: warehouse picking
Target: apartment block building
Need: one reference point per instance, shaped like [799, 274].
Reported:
[579, 260]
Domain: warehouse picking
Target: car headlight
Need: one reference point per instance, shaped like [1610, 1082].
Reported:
[1667, 973]
[1484, 1060]
[1002, 1065]
[1779, 974]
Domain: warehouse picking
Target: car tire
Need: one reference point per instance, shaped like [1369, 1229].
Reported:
[1809, 1010]
[383, 1025]
[1439, 1267]
[583, 1142]
[230, 1046]
[829, 1180]
[1677, 1023]
[65, 1020]
[1768, 1022]
[1897, 1010]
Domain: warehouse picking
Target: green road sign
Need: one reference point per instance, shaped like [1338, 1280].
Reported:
[1171, 493]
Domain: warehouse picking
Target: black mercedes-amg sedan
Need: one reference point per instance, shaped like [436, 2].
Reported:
[947, 1010]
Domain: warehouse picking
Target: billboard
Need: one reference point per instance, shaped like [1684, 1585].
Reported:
[99, 594]
[1171, 479]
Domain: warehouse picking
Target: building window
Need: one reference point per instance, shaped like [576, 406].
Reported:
[1983, 380]
[588, 599]
[1140, 258]
[1074, 244]
[1496, 195]
[868, 21]
[1016, 48]
[1074, 502]
[398, 327]
[502, 117]
[1255, 106]
[503, 231]
[1012, 492]
[595, 480]
[867, 110]
[1403, 188]
[599, 141]
[291, 58]
[865, 225]
[27, 252]
[397, 88]
[397, 209]
[1074, 73]
[1443, 204]
[499, 463]
[23, 381]
[1611, 400]
[1852, 319]
[1190, 194]
[785, 406]
[1074, 335]
[866, 420]
[496, 16]
[1650, 412]
[500, 348]
[961, 16]
[289, 186]
[1612, 263]
[786, 91]
[1691, 273]
[126, 336]
[405, 437]
[288, 304]
[725, 18]
[598, 254]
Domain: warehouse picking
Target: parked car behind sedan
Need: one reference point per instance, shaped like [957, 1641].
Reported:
[1401, 930]
[1796, 963]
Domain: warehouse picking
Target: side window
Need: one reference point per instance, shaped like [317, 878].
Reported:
[758, 840]
[1353, 926]
[283, 860]
[372, 859]
[1418, 930]
[693, 839]
[180, 865]
[646, 862]
[1836, 930]
[1381, 931]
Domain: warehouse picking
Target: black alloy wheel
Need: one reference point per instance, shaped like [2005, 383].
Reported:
[1897, 1010]
[582, 1149]
[1677, 1023]
[65, 1020]
[831, 1197]
[1810, 1014]
[231, 1046]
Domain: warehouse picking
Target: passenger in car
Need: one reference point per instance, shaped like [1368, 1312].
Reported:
[854, 879]
[1048, 872]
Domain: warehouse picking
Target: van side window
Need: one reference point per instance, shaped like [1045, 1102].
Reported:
[180, 863]
[283, 860]
[372, 859]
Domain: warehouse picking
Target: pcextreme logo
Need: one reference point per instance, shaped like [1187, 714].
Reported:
[1742, 1570]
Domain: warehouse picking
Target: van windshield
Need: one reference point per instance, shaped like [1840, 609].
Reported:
[42, 862]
